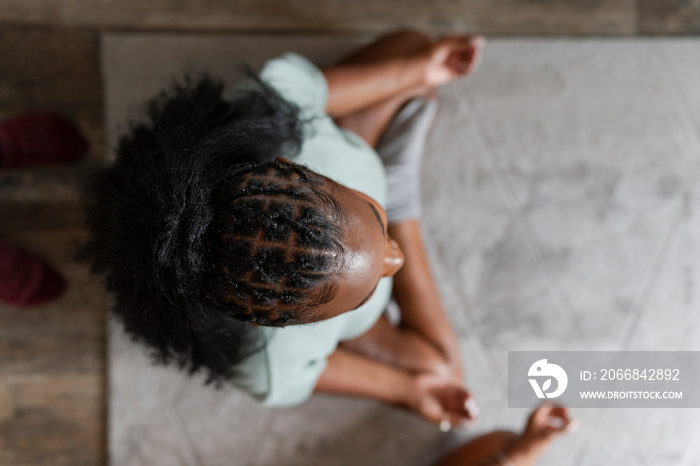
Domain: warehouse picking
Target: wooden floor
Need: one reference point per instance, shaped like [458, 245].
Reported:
[52, 362]
[501, 17]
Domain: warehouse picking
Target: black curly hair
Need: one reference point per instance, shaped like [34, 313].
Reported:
[200, 231]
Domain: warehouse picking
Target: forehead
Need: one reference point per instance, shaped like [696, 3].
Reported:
[364, 253]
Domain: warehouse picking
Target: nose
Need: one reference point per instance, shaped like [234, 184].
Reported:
[393, 258]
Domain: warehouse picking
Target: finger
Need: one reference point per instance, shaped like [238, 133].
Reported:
[572, 426]
[559, 419]
[556, 423]
[540, 415]
[467, 60]
[478, 53]
[478, 41]
[545, 408]
[461, 62]
[558, 412]
[472, 408]
[460, 420]
[445, 423]
[466, 404]
[560, 428]
[432, 411]
[458, 45]
[463, 410]
[455, 400]
[463, 42]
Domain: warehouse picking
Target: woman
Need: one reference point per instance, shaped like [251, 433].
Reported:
[218, 249]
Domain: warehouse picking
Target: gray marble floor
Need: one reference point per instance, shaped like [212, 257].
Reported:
[561, 213]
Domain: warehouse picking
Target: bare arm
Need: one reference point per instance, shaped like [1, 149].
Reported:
[431, 396]
[355, 85]
[402, 348]
[350, 374]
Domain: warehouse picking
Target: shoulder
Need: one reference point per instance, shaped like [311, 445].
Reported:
[298, 80]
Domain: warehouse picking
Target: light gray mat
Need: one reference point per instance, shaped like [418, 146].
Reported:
[560, 190]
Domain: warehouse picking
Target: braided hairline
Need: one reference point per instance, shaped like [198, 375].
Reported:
[278, 244]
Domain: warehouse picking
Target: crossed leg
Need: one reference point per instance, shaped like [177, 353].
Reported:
[397, 346]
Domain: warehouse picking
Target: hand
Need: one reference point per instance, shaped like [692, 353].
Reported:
[441, 400]
[546, 423]
[451, 57]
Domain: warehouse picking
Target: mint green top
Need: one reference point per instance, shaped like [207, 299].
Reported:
[285, 372]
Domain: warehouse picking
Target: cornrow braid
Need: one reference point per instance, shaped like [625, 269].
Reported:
[277, 244]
